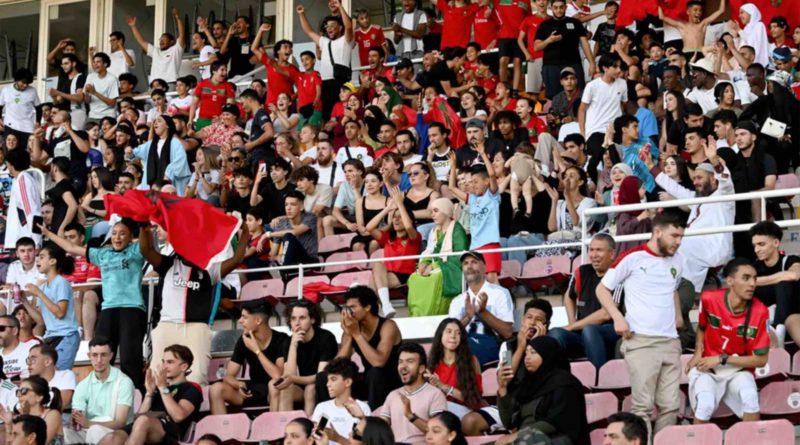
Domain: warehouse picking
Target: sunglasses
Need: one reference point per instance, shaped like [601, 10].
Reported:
[355, 434]
[235, 159]
[415, 173]
[4, 327]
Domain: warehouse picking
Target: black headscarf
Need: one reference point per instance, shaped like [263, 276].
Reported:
[157, 165]
[374, 123]
[554, 372]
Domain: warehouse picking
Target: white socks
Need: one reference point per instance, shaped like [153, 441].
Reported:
[386, 305]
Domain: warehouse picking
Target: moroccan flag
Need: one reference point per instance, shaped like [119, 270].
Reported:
[632, 10]
[788, 9]
[442, 112]
[134, 205]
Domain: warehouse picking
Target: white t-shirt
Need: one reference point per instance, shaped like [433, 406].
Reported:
[360, 153]
[18, 107]
[338, 417]
[108, 87]
[8, 395]
[329, 176]
[212, 176]
[498, 304]
[342, 54]
[14, 363]
[166, 63]
[118, 63]
[705, 98]
[412, 160]
[407, 21]
[205, 54]
[180, 103]
[17, 274]
[323, 195]
[603, 104]
[64, 380]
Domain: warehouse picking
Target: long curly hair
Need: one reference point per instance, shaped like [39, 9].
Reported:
[465, 369]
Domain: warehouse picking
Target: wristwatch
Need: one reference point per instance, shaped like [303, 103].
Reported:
[164, 390]
[413, 418]
[723, 359]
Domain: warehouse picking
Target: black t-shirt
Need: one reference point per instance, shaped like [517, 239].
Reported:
[749, 175]
[676, 134]
[241, 355]
[321, 348]
[582, 289]
[64, 146]
[273, 198]
[441, 72]
[237, 203]
[519, 136]
[56, 194]
[567, 50]
[466, 156]
[182, 391]
[240, 52]
[605, 35]
[763, 270]
[260, 118]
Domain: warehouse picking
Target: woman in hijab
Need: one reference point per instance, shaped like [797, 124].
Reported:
[754, 33]
[164, 156]
[373, 118]
[438, 279]
[544, 401]
[631, 191]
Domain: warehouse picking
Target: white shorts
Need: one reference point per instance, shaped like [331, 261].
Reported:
[726, 389]
[533, 78]
[489, 413]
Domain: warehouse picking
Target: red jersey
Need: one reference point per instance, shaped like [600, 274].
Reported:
[277, 83]
[381, 72]
[366, 39]
[724, 330]
[212, 97]
[511, 13]
[307, 83]
[486, 25]
[489, 84]
[84, 271]
[529, 26]
[535, 127]
[457, 23]
[400, 247]
[447, 375]
[383, 150]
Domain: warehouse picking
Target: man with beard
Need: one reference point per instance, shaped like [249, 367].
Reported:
[650, 274]
[439, 151]
[407, 148]
[330, 172]
[467, 155]
[237, 47]
[485, 309]
[711, 178]
[167, 57]
[387, 136]
[354, 148]
[408, 408]
[69, 90]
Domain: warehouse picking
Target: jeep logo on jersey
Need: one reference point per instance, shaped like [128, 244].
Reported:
[180, 282]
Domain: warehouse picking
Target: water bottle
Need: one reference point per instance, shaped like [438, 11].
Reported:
[221, 371]
[17, 293]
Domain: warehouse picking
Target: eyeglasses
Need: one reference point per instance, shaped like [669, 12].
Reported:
[4, 327]
[235, 159]
[22, 391]
[31, 360]
[415, 173]
[355, 434]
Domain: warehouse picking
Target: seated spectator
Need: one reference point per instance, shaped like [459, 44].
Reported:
[299, 431]
[632, 191]
[171, 404]
[271, 194]
[372, 430]
[257, 254]
[222, 130]
[294, 237]
[375, 339]
[36, 398]
[42, 363]
[261, 350]
[722, 367]
[422, 193]
[398, 238]
[238, 199]
[103, 400]
[408, 408]
[23, 270]
[318, 198]
[448, 236]
[445, 429]
[565, 213]
[57, 304]
[626, 429]
[536, 317]
[31, 324]
[14, 353]
[344, 207]
[546, 402]
[26, 429]
[205, 180]
[371, 204]
[391, 167]
[456, 372]
[590, 332]
[485, 309]
[307, 353]
[778, 277]
[343, 411]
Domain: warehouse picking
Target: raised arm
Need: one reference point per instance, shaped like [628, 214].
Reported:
[146, 246]
[313, 35]
[713, 17]
[348, 22]
[238, 256]
[137, 34]
[452, 183]
[64, 244]
[672, 22]
[181, 28]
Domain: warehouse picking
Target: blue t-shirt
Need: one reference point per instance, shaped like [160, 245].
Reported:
[59, 290]
[484, 219]
[404, 186]
[122, 276]
[630, 156]
[648, 124]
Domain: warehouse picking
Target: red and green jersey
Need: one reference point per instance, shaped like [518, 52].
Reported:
[457, 25]
[307, 83]
[535, 127]
[486, 25]
[366, 39]
[724, 329]
[277, 82]
[212, 97]
[529, 26]
[511, 13]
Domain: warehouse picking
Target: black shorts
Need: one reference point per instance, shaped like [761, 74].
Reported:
[259, 392]
[402, 277]
[172, 432]
[510, 48]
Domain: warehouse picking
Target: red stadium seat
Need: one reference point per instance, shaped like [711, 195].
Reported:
[599, 406]
[225, 426]
[541, 273]
[254, 290]
[291, 287]
[335, 243]
[614, 376]
[270, 426]
[780, 400]
[509, 272]
[765, 432]
[347, 279]
[708, 434]
[585, 372]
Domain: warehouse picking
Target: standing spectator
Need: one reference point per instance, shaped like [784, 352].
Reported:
[103, 400]
[69, 90]
[606, 33]
[562, 38]
[19, 101]
[511, 14]
[458, 17]
[704, 80]
[443, 75]
[307, 353]
[408, 408]
[336, 47]
[486, 26]
[62, 195]
[208, 54]
[237, 47]
[259, 128]
[122, 59]
[309, 91]
[41, 362]
[63, 141]
[409, 26]
[167, 57]
[211, 95]
[650, 276]
[724, 362]
[484, 309]
[102, 89]
[14, 353]
[27, 189]
[342, 409]
[163, 156]
[279, 69]
[367, 35]
[589, 330]
[64, 47]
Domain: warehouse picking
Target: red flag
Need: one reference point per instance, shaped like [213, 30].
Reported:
[134, 205]
[632, 10]
[788, 9]
[441, 111]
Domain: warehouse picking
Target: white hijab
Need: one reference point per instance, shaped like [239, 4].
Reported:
[755, 34]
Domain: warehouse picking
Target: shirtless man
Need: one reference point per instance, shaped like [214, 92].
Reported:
[693, 32]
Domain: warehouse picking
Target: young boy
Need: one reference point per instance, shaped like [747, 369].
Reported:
[256, 255]
[484, 76]
[342, 410]
[471, 65]
[606, 32]
[368, 35]
[180, 104]
[238, 200]
[309, 91]
[483, 202]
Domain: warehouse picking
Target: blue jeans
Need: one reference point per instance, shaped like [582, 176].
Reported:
[425, 229]
[67, 350]
[531, 239]
[594, 341]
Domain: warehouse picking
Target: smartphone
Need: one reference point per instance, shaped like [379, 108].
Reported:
[507, 356]
[262, 167]
[323, 422]
[37, 219]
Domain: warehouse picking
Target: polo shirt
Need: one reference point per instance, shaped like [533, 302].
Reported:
[498, 304]
[212, 97]
[93, 397]
[166, 63]
[649, 281]
[18, 275]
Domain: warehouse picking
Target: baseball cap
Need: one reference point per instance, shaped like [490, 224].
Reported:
[567, 71]
[474, 254]
[783, 54]
[476, 123]
[231, 108]
[747, 125]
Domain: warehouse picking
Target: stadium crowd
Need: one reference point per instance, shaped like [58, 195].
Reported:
[497, 124]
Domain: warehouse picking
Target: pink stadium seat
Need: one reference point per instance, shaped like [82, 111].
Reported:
[600, 405]
[796, 364]
[787, 181]
[780, 400]
[708, 434]
[270, 426]
[489, 378]
[614, 376]
[347, 279]
[479, 440]
[765, 432]
[509, 272]
[137, 401]
[225, 426]
[254, 290]
[585, 372]
[540, 273]
[206, 405]
[291, 288]
[344, 256]
[597, 436]
[335, 243]
[778, 366]
[213, 367]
